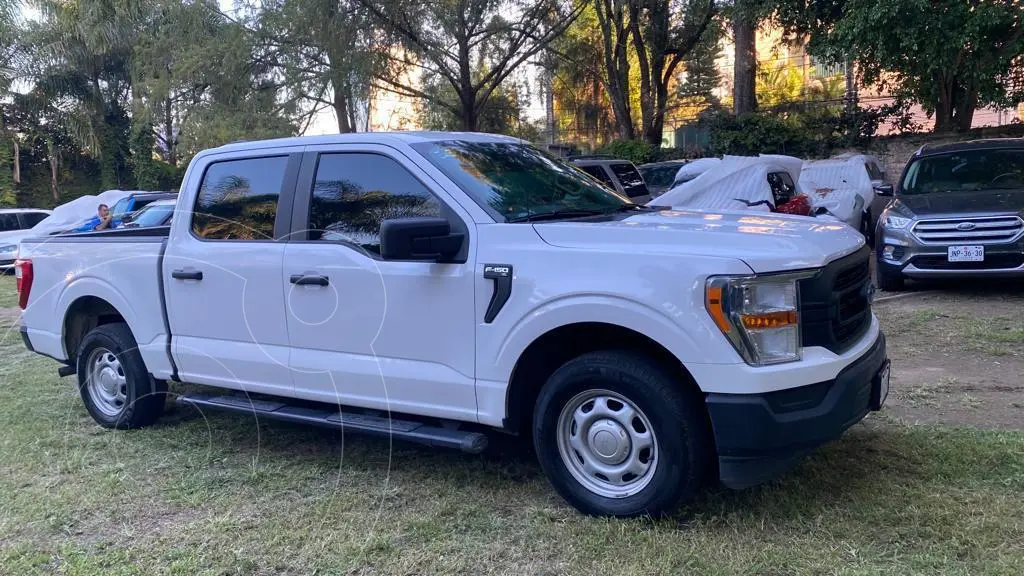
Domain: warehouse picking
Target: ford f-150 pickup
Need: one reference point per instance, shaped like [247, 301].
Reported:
[441, 288]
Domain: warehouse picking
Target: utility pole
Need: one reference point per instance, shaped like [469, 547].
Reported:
[549, 101]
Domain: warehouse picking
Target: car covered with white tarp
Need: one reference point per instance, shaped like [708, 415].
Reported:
[769, 182]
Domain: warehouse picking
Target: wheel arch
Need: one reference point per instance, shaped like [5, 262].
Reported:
[558, 345]
[83, 315]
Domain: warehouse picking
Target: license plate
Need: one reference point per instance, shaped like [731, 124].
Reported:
[966, 253]
[881, 387]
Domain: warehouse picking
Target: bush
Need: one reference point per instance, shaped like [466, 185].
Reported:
[635, 151]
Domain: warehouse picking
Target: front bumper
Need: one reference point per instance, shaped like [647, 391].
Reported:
[758, 436]
[915, 259]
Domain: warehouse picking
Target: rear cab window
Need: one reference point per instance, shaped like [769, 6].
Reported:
[9, 222]
[238, 199]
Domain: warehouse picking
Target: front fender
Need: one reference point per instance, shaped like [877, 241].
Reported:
[690, 344]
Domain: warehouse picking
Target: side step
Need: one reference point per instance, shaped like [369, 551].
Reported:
[469, 442]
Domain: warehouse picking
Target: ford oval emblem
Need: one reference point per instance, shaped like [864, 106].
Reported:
[965, 226]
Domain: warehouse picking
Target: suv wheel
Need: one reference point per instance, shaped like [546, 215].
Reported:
[617, 435]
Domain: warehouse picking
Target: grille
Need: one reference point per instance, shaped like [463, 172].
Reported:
[989, 230]
[835, 309]
[991, 262]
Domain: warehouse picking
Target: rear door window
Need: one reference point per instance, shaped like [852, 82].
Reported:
[9, 222]
[30, 219]
[237, 199]
[632, 182]
[597, 171]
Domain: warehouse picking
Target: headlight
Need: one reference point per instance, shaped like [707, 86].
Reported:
[896, 222]
[8, 248]
[759, 315]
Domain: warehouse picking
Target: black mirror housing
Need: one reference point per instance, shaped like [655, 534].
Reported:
[421, 238]
[884, 189]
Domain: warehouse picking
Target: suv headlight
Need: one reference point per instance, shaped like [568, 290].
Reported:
[896, 222]
[8, 248]
[759, 315]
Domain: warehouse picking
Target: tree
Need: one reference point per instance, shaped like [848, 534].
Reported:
[500, 115]
[952, 56]
[745, 17]
[453, 39]
[327, 52]
[659, 35]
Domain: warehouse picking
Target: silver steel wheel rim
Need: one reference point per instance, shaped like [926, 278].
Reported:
[607, 443]
[107, 384]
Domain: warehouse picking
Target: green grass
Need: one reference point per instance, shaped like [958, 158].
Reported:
[222, 494]
[996, 335]
[8, 291]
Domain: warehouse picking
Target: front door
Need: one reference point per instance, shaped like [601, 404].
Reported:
[390, 335]
[222, 273]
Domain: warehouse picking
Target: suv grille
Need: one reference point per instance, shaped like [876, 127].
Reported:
[988, 230]
[835, 306]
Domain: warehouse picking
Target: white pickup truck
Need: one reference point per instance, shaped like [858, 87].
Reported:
[441, 288]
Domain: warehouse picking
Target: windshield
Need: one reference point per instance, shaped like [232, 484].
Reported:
[965, 171]
[153, 215]
[121, 207]
[518, 181]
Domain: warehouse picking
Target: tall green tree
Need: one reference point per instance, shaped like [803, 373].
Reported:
[326, 51]
[951, 56]
[657, 36]
[453, 39]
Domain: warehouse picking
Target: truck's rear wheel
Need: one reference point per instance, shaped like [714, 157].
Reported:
[115, 386]
[617, 435]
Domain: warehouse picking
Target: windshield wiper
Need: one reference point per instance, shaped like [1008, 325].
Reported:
[555, 215]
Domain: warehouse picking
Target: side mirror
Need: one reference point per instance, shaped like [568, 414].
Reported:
[421, 238]
[883, 189]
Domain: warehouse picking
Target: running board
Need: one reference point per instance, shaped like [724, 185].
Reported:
[469, 442]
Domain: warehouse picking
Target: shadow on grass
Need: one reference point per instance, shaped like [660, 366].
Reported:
[874, 467]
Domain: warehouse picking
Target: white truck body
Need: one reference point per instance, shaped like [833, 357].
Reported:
[414, 337]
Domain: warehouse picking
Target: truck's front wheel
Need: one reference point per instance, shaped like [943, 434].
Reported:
[115, 386]
[617, 435]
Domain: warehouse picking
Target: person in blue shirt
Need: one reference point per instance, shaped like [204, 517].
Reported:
[105, 218]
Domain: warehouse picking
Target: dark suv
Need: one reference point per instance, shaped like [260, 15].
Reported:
[617, 174]
[956, 212]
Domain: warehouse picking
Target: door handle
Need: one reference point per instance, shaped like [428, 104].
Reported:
[309, 280]
[187, 274]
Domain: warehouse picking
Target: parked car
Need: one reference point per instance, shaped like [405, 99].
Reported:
[157, 213]
[862, 173]
[660, 176]
[440, 288]
[619, 175]
[123, 207]
[14, 225]
[957, 212]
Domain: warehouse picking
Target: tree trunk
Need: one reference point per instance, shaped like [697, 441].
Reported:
[468, 112]
[51, 156]
[610, 14]
[341, 108]
[17, 161]
[968, 103]
[172, 154]
[944, 105]
[745, 68]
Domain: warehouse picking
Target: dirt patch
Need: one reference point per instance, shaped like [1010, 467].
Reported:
[958, 356]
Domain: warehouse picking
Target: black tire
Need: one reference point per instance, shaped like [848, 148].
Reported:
[145, 397]
[889, 281]
[676, 415]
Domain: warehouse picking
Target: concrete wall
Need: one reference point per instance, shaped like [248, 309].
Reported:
[895, 151]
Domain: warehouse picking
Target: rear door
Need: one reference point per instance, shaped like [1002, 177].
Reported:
[385, 334]
[222, 271]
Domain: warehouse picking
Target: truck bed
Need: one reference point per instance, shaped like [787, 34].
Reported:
[120, 266]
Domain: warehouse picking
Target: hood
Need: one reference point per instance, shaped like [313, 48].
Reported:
[765, 242]
[962, 203]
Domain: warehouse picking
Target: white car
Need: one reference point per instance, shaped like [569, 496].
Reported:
[858, 176]
[441, 288]
[14, 225]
